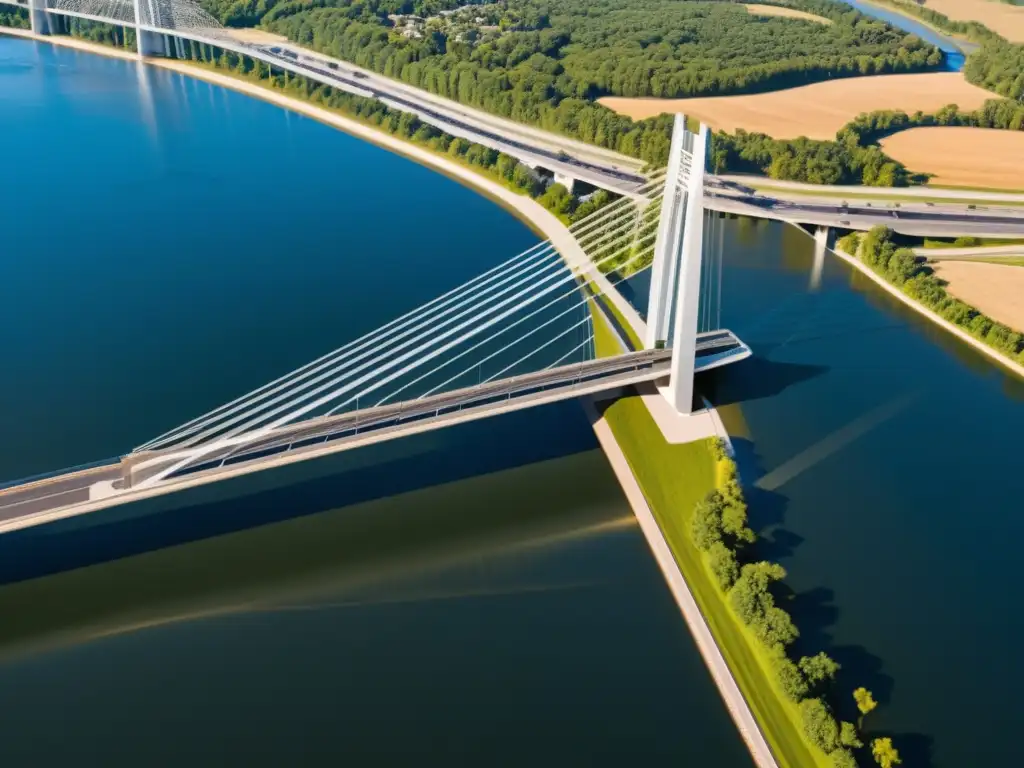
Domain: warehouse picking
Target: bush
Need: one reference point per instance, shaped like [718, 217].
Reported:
[819, 725]
[790, 678]
[706, 523]
[722, 561]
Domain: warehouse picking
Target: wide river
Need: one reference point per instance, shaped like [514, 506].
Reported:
[479, 595]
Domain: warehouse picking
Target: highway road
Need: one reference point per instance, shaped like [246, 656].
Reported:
[55, 492]
[772, 186]
[917, 219]
[620, 174]
[559, 155]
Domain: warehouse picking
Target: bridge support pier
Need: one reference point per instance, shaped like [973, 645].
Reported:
[151, 44]
[824, 239]
[147, 42]
[678, 253]
[40, 19]
[565, 180]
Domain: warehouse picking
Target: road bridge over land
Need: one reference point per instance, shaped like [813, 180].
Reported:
[164, 26]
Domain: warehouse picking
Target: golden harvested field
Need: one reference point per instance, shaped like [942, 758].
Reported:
[1007, 20]
[816, 111]
[995, 289]
[966, 157]
[790, 13]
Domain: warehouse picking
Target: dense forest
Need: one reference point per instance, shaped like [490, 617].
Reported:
[999, 67]
[545, 63]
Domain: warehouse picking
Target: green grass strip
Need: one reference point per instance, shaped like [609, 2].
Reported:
[673, 479]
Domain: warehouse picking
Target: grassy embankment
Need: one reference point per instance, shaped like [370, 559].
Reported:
[970, 242]
[674, 478]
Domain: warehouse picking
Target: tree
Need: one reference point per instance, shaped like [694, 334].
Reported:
[734, 523]
[819, 724]
[791, 679]
[885, 753]
[865, 701]
[819, 670]
[749, 596]
[723, 564]
[848, 735]
[706, 523]
[775, 627]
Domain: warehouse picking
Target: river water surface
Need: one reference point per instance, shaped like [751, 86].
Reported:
[478, 593]
[477, 596]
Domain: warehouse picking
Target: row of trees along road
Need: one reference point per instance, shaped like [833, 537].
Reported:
[881, 251]
[718, 528]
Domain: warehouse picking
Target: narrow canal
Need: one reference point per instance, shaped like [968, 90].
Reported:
[474, 596]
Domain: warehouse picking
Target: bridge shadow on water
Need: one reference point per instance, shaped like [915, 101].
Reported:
[815, 612]
[330, 483]
[753, 379]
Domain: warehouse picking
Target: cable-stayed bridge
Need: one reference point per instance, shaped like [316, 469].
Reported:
[545, 325]
[168, 28]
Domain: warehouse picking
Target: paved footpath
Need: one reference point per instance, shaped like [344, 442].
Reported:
[720, 673]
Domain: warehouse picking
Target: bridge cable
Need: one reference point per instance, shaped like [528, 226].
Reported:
[404, 320]
[225, 441]
[478, 308]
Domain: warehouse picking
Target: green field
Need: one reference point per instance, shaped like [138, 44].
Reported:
[674, 478]
[983, 242]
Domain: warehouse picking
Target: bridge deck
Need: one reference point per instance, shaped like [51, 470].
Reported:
[87, 490]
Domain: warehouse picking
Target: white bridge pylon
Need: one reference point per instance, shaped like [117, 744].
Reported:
[153, 20]
[674, 301]
[530, 313]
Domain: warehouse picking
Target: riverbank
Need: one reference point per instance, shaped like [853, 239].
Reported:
[538, 218]
[709, 649]
[529, 211]
[864, 269]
